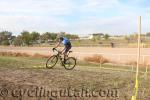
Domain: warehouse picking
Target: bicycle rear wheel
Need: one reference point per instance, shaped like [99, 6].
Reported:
[70, 63]
[51, 62]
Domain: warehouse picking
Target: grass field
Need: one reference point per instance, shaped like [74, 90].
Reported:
[20, 72]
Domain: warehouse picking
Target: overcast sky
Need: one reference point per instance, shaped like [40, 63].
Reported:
[74, 16]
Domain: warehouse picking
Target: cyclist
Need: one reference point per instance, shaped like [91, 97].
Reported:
[66, 43]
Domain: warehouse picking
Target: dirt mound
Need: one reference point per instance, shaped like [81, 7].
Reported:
[96, 59]
[37, 55]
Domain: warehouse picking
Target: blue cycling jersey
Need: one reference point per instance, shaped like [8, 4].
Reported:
[65, 41]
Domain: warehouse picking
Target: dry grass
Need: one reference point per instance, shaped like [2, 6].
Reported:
[131, 63]
[96, 59]
[18, 54]
[14, 54]
[134, 63]
[37, 55]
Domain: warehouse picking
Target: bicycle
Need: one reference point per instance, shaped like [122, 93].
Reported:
[70, 62]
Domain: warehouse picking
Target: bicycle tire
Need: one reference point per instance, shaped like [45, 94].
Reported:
[50, 59]
[68, 63]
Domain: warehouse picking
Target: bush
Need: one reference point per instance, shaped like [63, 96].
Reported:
[96, 59]
[18, 54]
[14, 54]
[37, 55]
[5, 42]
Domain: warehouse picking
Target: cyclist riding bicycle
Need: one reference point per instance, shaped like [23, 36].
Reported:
[66, 43]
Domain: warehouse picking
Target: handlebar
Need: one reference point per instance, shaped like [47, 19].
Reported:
[56, 50]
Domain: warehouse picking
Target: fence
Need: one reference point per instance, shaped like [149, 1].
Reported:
[122, 60]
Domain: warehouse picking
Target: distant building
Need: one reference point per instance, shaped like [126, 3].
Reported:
[96, 35]
[117, 37]
[84, 38]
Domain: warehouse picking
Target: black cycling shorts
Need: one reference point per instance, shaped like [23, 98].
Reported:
[67, 47]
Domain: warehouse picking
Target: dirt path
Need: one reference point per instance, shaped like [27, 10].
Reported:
[119, 55]
[45, 50]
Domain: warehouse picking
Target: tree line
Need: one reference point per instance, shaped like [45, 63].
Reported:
[26, 38]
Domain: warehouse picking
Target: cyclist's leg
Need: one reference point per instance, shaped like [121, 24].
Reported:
[68, 47]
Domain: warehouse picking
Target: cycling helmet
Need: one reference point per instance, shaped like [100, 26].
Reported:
[61, 38]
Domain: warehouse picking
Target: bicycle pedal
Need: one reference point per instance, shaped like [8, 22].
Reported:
[62, 63]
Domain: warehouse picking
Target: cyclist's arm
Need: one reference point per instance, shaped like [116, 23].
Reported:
[57, 45]
[63, 50]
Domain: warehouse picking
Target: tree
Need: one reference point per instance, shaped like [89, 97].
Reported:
[71, 36]
[48, 36]
[5, 42]
[26, 38]
[18, 41]
[53, 36]
[44, 37]
[5, 36]
[127, 38]
[134, 36]
[34, 36]
[106, 36]
[74, 37]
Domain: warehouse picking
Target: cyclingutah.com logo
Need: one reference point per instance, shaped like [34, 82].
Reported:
[58, 93]
[3, 92]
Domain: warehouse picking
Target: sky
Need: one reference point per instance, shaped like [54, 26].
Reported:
[81, 17]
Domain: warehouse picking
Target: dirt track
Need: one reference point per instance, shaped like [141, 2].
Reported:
[19, 73]
[45, 50]
[60, 79]
[120, 55]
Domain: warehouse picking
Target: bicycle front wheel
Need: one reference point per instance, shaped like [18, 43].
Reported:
[70, 63]
[51, 62]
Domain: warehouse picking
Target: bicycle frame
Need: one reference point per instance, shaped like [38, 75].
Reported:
[59, 54]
